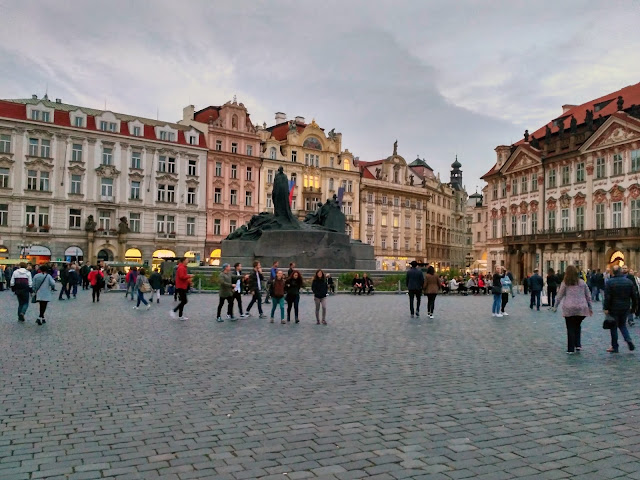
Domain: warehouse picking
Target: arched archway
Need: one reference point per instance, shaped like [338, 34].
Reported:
[616, 257]
[105, 255]
[214, 258]
[160, 255]
[133, 255]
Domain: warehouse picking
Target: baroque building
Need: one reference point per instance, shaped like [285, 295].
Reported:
[315, 164]
[409, 214]
[477, 217]
[78, 183]
[568, 194]
[232, 172]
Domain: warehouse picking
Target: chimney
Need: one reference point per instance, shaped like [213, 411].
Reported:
[188, 112]
[299, 119]
[567, 107]
[34, 97]
[502, 153]
[58, 100]
[281, 117]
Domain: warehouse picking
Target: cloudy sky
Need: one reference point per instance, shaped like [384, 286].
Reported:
[442, 77]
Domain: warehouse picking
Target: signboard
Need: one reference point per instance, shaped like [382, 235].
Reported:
[38, 250]
[73, 252]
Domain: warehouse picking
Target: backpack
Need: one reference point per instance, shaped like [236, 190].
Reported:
[100, 281]
[145, 287]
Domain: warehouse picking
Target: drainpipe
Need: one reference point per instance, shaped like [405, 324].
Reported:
[544, 203]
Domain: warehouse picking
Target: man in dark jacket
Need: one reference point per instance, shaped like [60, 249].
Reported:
[619, 296]
[415, 281]
[72, 280]
[629, 274]
[64, 282]
[535, 287]
[256, 281]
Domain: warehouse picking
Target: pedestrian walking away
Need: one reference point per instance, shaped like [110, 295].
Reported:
[575, 297]
[43, 285]
[415, 283]
[64, 282]
[496, 290]
[293, 285]
[227, 283]
[431, 287]
[552, 286]
[155, 280]
[21, 283]
[73, 279]
[619, 297]
[256, 280]
[536, 284]
[131, 279]
[142, 286]
[237, 289]
[96, 280]
[277, 295]
[507, 289]
[182, 282]
[320, 291]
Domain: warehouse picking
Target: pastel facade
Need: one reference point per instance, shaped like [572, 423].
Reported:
[569, 193]
[60, 163]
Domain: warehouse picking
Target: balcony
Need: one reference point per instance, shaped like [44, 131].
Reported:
[102, 232]
[162, 235]
[106, 199]
[311, 190]
[572, 235]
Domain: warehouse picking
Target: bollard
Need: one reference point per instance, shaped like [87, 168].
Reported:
[399, 289]
[199, 285]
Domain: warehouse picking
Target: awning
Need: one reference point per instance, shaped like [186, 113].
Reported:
[73, 252]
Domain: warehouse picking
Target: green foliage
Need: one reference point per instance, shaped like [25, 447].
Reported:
[206, 282]
[389, 283]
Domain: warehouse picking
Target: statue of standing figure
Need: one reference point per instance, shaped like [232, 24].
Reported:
[280, 197]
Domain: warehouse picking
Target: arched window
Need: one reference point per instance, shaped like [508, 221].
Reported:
[347, 165]
[273, 153]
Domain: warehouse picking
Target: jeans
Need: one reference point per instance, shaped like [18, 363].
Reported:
[504, 301]
[74, 289]
[131, 287]
[277, 301]
[237, 296]
[292, 301]
[497, 303]
[257, 298]
[23, 301]
[574, 331]
[551, 292]
[621, 321]
[182, 293]
[43, 307]
[595, 293]
[535, 298]
[321, 302]
[417, 294]
[141, 299]
[431, 302]
[229, 301]
[64, 290]
[95, 294]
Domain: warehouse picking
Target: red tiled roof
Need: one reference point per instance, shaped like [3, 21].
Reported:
[490, 172]
[62, 118]
[280, 131]
[206, 114]
[367, 174]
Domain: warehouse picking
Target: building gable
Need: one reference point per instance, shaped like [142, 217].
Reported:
[617, 129]
[521, 159]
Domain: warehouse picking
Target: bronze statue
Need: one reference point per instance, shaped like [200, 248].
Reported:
[123, 226]
[395, 147]
[573, 125]
[280, 196]
[561, 127]
[526, 136]
[90, 224]
[411, 180]
[378, 173]
[547, 135]
[620, 103]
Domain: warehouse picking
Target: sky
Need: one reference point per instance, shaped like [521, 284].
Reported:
[442, 77]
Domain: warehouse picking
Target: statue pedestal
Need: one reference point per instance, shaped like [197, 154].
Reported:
[307, 248]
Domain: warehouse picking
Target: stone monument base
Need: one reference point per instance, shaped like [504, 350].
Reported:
[307, 248]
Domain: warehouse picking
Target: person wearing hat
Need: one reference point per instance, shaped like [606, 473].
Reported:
[227, 282]
[415, 280]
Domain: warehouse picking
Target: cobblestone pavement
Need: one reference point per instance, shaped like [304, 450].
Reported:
[104, 391]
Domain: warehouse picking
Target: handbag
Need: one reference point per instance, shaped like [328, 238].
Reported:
[145, 287]
[34, 295]
[609, 323]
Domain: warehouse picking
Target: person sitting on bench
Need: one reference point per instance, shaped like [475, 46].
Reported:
[367, 284]
[357, 285]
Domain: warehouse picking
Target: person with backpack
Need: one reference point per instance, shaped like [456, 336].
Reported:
[21, 283]
[96, 280]
[143, 286]
[43, 285]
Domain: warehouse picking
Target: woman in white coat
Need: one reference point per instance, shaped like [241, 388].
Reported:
[43, 285]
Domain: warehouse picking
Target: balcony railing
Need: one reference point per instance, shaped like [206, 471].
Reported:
[165, 235]
[573, 234]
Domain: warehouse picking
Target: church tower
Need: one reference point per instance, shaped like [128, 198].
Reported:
[456, 175]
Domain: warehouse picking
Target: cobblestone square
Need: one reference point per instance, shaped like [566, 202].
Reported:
[105, 391]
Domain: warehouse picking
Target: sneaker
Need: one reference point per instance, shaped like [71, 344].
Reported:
[43, 320]
[172, 314]
[21, 317]
[184, 318]
[570, 353]
[135, 308]
[38, 322]
[219, 320]
[505, 314]
[247, 314]
[493, 314]
[262, 315]
[417, 314]
[233, 319]
[271, 321]
[412, 315]
[430, 316]
[282, 322]
[612, 350]
[228, 317]
[498, 315]
[244, 315]
[148, 306]
[158, 301]
[632, 347]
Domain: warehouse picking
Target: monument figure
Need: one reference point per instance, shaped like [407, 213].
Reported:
[90, 224]
[280, 196]
[395, 147]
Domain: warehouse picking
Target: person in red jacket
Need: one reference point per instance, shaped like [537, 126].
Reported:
[183, 280]
[96, 279]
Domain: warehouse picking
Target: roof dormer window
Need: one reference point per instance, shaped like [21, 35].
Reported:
[40, 113]
[78, 119]
[136, 131]
[78, 122]
[40, 116]
[168, 136]
[108, 122]
[166, 133]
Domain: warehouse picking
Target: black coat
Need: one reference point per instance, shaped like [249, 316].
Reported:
[415, 279]
[319, 287]
[253, 280]
[536, 283]
[620, 295]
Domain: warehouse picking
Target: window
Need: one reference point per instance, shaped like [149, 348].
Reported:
[4, 215]
[599, 216]
[564, 219]
[217, 226]
[75, 218]
[494, 228]
[580, 172]
[171, 224]
[396, 201]
[331, 161]
[580, 218]
[191, 226]
[370, 239]
[249, 175]
[234, 147]
[331, 184]
[135, 191]
[32, 179]
[635, 213]
[134, 222]
[270, 177]
[193, 140]
[635, 159]
[478, 237]
[191, 195]
[136, 160]
[534, 182]
[218, 169]
[107, 156]
[162, 193]
[524, 182]
[552, 178]
[369, 218]
[217, 195]
[76, 184]
[601, 168]
[137, 132]
[503, 192]
[31, 215]
[273, 153]
[384, 242]
[249, 150]
[346, 164]
[617, 215]
[566, 175]
[4, 177]
[407, 222]
[78, 122]
[350, 186]
[370, 197]
[43, 216]
[293, 203]
[171, 193]
[219, 145]
[233, 197]
[248, 201]
[76, 152]
[168, 136]
[5, 143]
[294, 156]
[166, 224]
[232, 226]
[552, 220]
[396, 221]
[514, 225]
[270, 202]
[34, 145]
[395, 244]
[523, 225]
[494, 194]
[514, 186]
[384, 199]
[534, 222]
[35, 114]
[617, 164]
[383, 221]
[106, 188]
[160, 226]
[234, 171]
[171, 165]
[104, 126]
[396, 176]
[419, 223]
